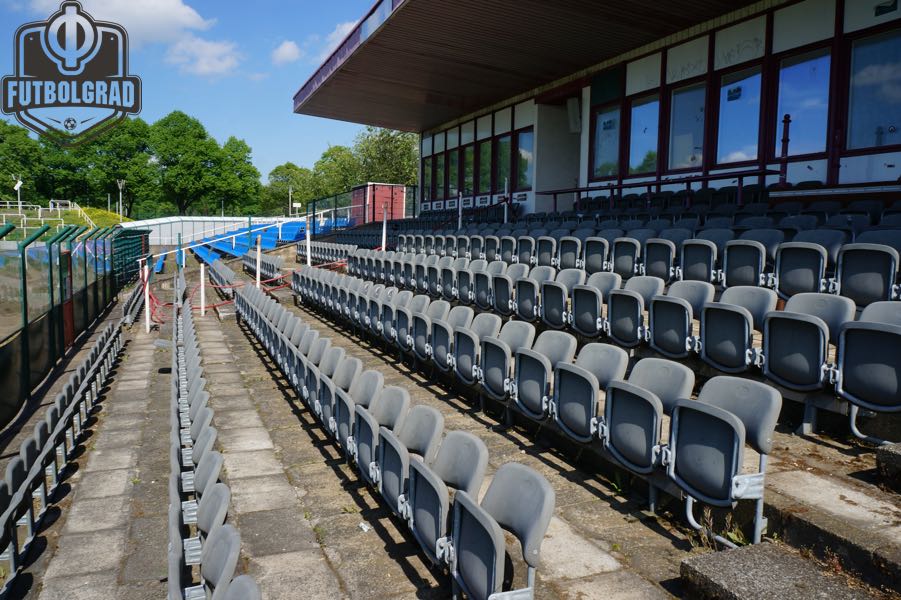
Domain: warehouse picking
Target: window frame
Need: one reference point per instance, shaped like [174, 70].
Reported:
[495, 143]
[625, 167]
[762, 114]
[514, 155]
[462, 149]
[667, 126]
[592, 136]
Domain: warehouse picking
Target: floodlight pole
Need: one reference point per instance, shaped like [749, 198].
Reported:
[18, 188]
[109, 199]
[290, 199]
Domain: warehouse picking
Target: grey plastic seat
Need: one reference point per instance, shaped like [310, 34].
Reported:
[211, 513]
[527, 299]
[483, 283]
[518, 500]
[595, 252]
[460, 465]
[701, 255]
[869, 363]
[218, 562]
[867, 270]
[577, 388]
[660, 253]
[706, 446]
[533, 373]
[422, 327]
[798, 222]
[802, 265]
[243, 587]
[502, 286]
[569, 249]
[442, 336]
[419, 436]
[388, 312]
[497, 357]
[672, 317]
[728, 326]
[796, 340]
[388, 409]
[318, 374]
[344, 378]
[403, 321]
[465, 281]
[625, 322]
[467, 344]
[365, 389]
[626, 252]
[310, 373]
[746, 259]
[588, 301]
[634, 410]
[555, 297]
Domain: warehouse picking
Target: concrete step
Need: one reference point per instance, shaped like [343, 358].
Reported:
[764, 571]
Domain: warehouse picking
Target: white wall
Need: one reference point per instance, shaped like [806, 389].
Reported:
[557, 157]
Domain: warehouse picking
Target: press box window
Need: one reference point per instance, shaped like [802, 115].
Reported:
[501, 163]
[453, 173]
[469, 157]
[643, 135]
[484, 167]
[525, 163]
[605, 159]
[874, 116]
[804, 96]
[739, 123]
[686, 142]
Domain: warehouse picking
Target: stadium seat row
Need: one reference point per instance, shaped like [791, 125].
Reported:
[325, 252]
[402, 452]
[270, 266]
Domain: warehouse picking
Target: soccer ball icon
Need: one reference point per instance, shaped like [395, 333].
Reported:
[70, 124]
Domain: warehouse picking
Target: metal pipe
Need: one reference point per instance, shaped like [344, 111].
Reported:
[6, 229]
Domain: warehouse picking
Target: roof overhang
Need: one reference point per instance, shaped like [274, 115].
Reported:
[415, 64]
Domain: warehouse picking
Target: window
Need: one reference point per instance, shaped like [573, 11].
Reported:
[525, 163]
[643, 135]
[427, 179]
[502, 164]
[484, 167]
[739, 123]
[605, 157]
[804, 94]
[874, 115]
[469, 156]
[686, 142]
[439, 177]
[453, 173]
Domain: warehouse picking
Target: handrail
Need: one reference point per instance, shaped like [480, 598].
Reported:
[6, 229]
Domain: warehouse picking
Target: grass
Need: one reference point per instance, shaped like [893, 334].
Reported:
[104, 218]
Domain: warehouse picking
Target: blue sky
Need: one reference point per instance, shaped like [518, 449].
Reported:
[233, 65]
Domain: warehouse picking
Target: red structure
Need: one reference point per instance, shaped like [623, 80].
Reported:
[369, 200]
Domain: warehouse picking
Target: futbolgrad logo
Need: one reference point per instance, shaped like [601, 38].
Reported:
[71, 76]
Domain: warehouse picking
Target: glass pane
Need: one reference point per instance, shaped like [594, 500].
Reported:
[875, 107]
[739, 117]
[686, 142]
[485, 167]
[453, 173]
[606, 144]
[427, 179]
[804, 94]
[37, 261]
[643, 135]
[439, 177]
[525, 142]
[468, 169]
[502, 163]
[10, 299]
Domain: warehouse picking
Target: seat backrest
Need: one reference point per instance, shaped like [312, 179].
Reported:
[213, 508]
[331, 360]
[219, 556]
[887, 311]
[667, 379]
[756, 404]
[604, 361]
[696, 293]
[347, 372]
[835, 311]
[486, 324]
[390, 407]
[645, 286]
[419, 303]
[605, 281]
[757, 300]
[496, 267]
[479, 264]
[517, 334]
[461, 462]
[675, 235]
[770, 238]
[207, 472]
[886, 237]
[556, 346]
[522, 502]
[517, 271]
[460, 316]
[569, 278]
[243, 587]
[542, 274]
[718, 236]
[438, 309]
[421, 431]
[367, 387]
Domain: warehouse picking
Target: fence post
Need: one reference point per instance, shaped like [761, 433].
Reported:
[259, 259]
[25, 386]
[783, 156]
[53, 240]
[202, 289]
[146, 278]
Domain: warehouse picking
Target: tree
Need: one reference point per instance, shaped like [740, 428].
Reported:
[239, 181]
[20, 156]
[336, 171]
[188, 161]
[387, 156]
[300, 180]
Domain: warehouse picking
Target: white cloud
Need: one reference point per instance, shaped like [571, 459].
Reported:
[334, 39]
[206, 58]
[258, 76]
[147, 21]
[287, 52]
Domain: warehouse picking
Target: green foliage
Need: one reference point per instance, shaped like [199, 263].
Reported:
[102, 218]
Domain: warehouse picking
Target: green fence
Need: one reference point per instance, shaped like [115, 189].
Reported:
[38, 298]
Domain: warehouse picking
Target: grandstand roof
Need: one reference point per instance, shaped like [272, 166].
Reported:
[414, 64]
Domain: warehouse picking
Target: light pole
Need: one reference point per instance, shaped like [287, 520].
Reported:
[290, 199]
[121, 184]
[18, 188]
[223, 207]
